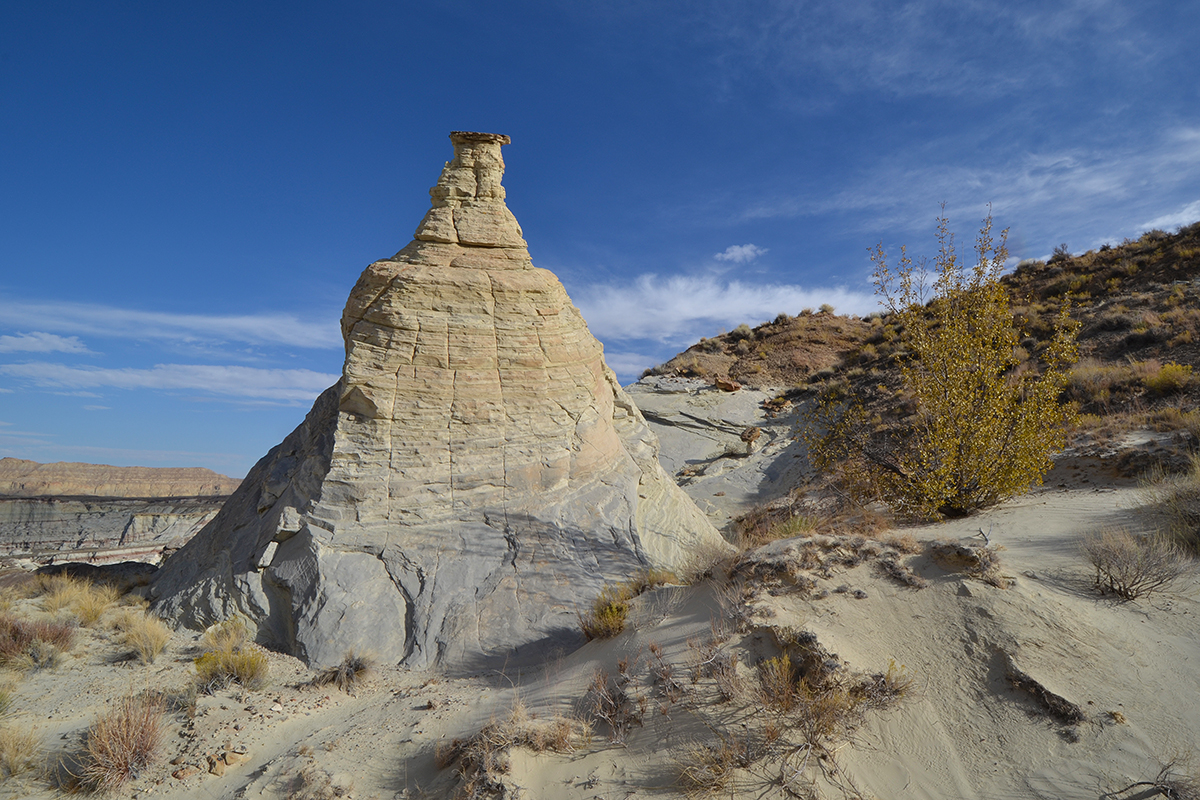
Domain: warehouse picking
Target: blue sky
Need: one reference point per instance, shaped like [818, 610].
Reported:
[189, 191]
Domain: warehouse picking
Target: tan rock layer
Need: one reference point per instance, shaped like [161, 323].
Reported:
[21, 478]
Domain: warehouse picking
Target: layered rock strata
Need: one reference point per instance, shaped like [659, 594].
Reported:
[21, 478]
[60, 527]
[475, 476]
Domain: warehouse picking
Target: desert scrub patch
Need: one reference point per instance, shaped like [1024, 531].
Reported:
[144, 634]
[122, 744]
[1131, 566]
[35, 644]
[247, 664]
[1169, 378]
[610, 610]
[20, 751]
[1176, 499]
[483, 759]
[353, 668]
[980, 561]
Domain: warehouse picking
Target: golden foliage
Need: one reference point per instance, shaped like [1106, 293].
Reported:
[980, 430]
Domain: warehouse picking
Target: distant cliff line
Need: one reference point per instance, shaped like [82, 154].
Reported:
[23, 478]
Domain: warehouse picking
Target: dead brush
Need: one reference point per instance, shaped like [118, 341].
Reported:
[121, 745]
[981, 561]
[883, 689]
[607, 701]
[313, 783]
[346, 675]
[663, 674]
[1130, 566]
[903, 574]
[1169, 783]
[709, 661]
[484, 758]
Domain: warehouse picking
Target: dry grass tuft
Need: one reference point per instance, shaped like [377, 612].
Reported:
[778, 679]
[33, 644]
[1130, 566]
[122, 744]
[1177, 499]
[230, 657]
[81, 597]
[346, 675]
[144, 634]
[19, 751]
[247, 665]
[611, 609]
[229, 634]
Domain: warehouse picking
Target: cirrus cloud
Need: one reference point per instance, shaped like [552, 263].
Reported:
[281, 385]
[38, 342]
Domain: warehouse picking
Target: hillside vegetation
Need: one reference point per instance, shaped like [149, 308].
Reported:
[1138, 305]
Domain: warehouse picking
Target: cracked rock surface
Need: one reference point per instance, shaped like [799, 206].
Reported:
[475, 476]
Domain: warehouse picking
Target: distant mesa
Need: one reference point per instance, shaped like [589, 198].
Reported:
[97, 513]
[21, 478]
[475, 476]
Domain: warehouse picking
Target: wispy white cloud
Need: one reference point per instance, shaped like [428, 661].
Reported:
[741, 253]
[1184, 216]
[286, 385]
[679, 309]
[38, 342]
[938, 47]
[1084, 194]
[97, 408]
[126, 323]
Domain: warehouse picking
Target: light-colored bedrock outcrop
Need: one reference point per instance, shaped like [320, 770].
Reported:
[475, 477]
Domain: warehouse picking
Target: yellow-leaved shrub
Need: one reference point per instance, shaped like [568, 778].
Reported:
[982, 426]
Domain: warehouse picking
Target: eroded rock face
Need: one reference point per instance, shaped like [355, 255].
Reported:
[22, 478]
[475, 476]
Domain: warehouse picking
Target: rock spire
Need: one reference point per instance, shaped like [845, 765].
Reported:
[475, 476]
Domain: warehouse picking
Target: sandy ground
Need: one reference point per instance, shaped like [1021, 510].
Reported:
[962, 730]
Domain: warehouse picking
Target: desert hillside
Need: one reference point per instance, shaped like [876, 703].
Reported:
[513, 599]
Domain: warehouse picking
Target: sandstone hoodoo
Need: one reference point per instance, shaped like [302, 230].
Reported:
[475, 476]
